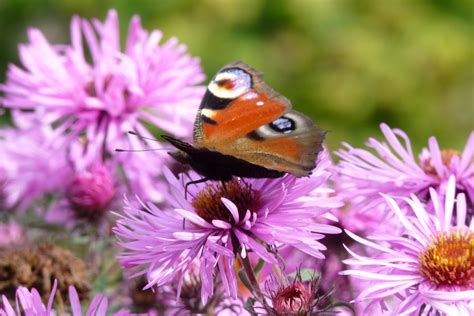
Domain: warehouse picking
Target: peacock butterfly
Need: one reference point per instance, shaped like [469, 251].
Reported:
[244, 128]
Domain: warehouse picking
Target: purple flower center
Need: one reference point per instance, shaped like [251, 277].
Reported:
[208, 204]
[449, 260]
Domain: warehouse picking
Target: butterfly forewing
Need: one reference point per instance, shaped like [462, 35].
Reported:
[241, 116]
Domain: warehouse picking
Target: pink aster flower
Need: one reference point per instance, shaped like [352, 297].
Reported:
[29, 303]
[393, 170]
[429, 267]
[116, 91]
[217, 224]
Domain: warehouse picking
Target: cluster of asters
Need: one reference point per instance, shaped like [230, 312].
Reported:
[381, 231]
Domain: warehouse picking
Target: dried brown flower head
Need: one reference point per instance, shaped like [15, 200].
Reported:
[38, 266]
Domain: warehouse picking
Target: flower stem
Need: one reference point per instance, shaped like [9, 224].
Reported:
[280, 275]
[251, 277]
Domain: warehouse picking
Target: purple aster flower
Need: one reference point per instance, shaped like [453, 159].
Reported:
[114, 92]
[29, 303]
[219, 223]
[29, 157]
[427, 268]
[11, 234]
[394, 170]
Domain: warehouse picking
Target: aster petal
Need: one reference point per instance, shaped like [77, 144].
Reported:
[390, 262]
[369, 243]
[405, 152]
[7, 307]
[222, 269]
[221, 224]
[193, 218]
[435, 154]
[220, 249]
[229, 264]
[74, 300]
[102, 308]
[439, 212]
[188, 235]
[259, 250]
[441, 295]
[381, 276]
[232, 209]
[385, 289]
[409, 304]
[420, 213]
[461, 208]
[403, 219]
[467, 156]
[449, 202]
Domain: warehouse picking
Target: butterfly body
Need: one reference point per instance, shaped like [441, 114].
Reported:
[244, 128]
[216, 166]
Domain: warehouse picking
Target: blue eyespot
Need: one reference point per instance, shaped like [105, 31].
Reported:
[283, 125]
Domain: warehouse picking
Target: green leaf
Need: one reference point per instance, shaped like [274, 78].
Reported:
[259, 266]
[245, 280]
[306, 275]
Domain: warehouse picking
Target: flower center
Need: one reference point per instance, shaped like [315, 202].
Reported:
[208, 204]
[446, 156]
[449, 261]
[292, 299]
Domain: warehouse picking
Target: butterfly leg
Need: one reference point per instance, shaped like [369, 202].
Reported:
[224, 186]
[192, 182]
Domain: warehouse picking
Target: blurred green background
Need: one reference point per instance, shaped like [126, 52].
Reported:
[348, 64]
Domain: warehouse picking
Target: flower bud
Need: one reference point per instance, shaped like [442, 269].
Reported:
[91, 192]
[293, 299]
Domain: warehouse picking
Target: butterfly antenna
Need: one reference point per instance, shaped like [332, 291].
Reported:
[138, 150]
[142, 137]
[192, 182]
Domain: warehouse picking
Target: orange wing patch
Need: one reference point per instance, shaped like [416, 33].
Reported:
[240, 118]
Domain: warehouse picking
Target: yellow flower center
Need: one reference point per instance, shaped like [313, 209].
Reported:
[449, 260]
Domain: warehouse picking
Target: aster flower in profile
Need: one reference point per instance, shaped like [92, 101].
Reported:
[116, 91]
[293, 295]
[87, 197]
[428, 268]
[220, 223]
[29, 303]
[393, 170]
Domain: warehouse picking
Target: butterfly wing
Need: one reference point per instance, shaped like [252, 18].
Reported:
[242, 116]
